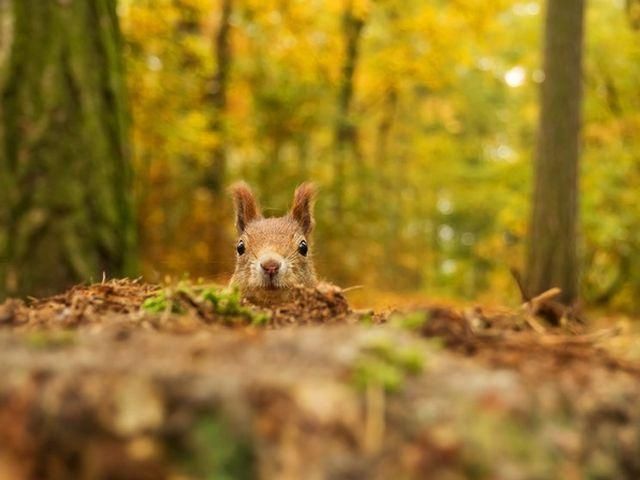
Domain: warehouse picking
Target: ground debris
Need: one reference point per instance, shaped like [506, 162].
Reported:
[545, 306]
[127, 380]
[81, 305]
[324, 304]
[507, 341]
[179, 308]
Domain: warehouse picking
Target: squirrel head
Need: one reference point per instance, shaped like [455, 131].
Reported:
[273, 255]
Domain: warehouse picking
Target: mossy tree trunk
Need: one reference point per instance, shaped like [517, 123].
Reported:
[552, 257]
[64, 156]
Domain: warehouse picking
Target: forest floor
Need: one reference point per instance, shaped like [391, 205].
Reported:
[125, 380]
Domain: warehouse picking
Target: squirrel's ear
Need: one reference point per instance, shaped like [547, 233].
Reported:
[247, 208]
[302, 209]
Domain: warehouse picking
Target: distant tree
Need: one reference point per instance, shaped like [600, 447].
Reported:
[65, 211]
[552, 257]
[345, 129]
[215, 175]
[222, 53]
[633, 12]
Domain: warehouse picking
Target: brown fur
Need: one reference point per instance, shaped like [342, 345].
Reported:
[273, 239]
[302, 209]
[247, 209]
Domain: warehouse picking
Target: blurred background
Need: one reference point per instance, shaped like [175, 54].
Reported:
[417, 119]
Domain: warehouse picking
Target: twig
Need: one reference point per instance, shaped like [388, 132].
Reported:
[546, 295]
[534, 324]
[515, 273]
[533, 306]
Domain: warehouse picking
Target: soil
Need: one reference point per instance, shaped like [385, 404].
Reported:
[126, 380]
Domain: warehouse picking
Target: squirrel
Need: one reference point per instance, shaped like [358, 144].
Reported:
[273, 255]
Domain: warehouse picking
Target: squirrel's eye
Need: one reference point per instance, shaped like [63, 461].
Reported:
[240, 248]
[303, 248]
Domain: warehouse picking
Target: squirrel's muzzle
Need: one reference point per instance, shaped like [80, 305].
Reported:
[271, 267]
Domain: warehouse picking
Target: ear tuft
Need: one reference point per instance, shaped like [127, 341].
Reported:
[247, 208]
[302, 209]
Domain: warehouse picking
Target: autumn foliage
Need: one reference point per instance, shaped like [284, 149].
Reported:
[417, 119]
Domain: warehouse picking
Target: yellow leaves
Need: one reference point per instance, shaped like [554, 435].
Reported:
[142, 22]
[202, 6]
[361, 8]
[195, 126]
[621, 129]
[430, 111]
[435, 110]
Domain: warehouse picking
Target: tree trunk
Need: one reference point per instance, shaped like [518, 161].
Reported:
[633, 13]
[552, 258]
[345, 131]
[64, 153]
[215, 177]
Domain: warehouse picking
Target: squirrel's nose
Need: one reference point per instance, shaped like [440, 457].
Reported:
[270, 267]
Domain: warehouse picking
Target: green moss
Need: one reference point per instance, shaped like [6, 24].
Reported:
[410, 321]
[260, 319]
[223, 302]
[488, 434]
[366, 319]
[161, 302]
[50, 340]
[408, 359]
[386, 365]
[212, 450]
[375, 372]
[227, 302]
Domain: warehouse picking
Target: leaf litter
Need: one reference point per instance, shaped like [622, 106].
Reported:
[128, 380]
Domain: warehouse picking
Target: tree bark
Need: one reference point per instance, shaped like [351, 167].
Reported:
[64, 153]
[552, 257]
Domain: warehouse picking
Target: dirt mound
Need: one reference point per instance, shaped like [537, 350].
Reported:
[325, 304]
[81, 305]
[182, 307]
[500, 338]
[126, 380]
